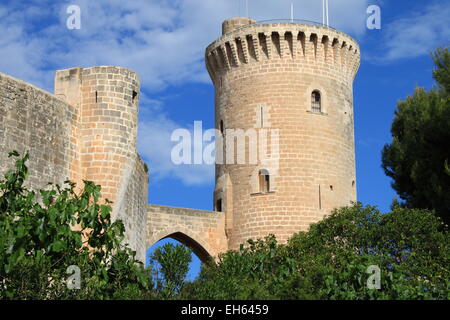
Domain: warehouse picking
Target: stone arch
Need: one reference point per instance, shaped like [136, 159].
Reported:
[183, 235]
[202, 231]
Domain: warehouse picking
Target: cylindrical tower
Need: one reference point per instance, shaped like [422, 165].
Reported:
[107, 100]
[292, 83]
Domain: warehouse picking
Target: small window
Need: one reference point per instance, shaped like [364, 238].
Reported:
[134, 96]
[221, 126]
[219, 205]
[264, 181]
[316, 101]
[262, 117]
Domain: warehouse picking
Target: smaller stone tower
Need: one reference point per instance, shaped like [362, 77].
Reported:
[107, 100]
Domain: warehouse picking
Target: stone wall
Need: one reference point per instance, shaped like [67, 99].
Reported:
[133, 207]
[86, 131]
[34, 120]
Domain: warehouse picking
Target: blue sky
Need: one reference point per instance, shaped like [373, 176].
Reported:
[164, 41]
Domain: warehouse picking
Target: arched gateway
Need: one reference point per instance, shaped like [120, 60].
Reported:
[202, 231]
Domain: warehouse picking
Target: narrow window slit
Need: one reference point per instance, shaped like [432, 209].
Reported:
[219, 205]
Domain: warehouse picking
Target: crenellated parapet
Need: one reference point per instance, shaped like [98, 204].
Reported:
[311, 46]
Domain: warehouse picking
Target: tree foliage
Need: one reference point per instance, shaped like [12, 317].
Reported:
[43, 233]
[171, 265]
[330, 261]
[441, 74]
[417, 158]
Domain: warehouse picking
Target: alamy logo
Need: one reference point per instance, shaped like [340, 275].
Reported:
[374, 20]
[226, 146]
[73, 282]
[374, 280]
[74, 19]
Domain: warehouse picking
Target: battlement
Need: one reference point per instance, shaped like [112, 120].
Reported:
[250, 43]
[236, 23]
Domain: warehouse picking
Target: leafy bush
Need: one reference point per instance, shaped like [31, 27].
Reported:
[170, 264]
[43, 233]
[418, 157]
[331, 260]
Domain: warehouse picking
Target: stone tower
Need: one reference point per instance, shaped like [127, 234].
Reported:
[107, 100]
[292, 84]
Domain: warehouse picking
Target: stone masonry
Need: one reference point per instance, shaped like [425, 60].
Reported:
[202, 231]
[264, 76]
[86, 131]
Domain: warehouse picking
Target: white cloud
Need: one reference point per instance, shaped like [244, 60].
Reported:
[416, 34]
[155, 145]
[162, 40]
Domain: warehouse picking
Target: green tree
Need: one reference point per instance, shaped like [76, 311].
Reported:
[418, 156]
[441, 74]
[411, 247]
[171, 265]
[43, 233]
[258, 270]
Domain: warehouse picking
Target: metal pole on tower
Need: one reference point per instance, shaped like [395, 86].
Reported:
[328, 21]
[323, 12]
[292, 12]
[246, 8]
